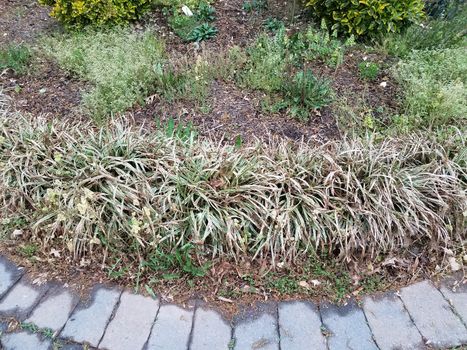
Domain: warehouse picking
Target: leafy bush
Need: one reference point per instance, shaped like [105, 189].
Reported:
[435, 87]
[15, 57]
[85, 191]
[121, 65]
[367, 17]
[304, 92]
[96, 12]
[368, 70]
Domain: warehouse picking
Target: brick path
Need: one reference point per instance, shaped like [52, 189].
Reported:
[419, 316]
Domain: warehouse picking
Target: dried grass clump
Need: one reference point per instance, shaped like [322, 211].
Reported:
[117, 188]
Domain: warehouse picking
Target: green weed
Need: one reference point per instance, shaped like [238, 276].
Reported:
[28, 250]
[266, 63]
[254, 5]
[205, 12]
[273, 24]
[202, 32]
[368, 70]
[304, 92]
[179, 260]
[15, 57]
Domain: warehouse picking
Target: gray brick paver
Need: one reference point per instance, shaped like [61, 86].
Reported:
[432, 315]
[300, 327]
[88, 321]
[390, 323]
[9, 275]
[131, 326]
[259, 333]
[172, 329]
[348, 327]
[457, 298]
[20, 300]
[54, 310]
[24, 341]
[210, 331]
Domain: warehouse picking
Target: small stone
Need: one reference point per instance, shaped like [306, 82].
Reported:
[455, 266]
[383, 84]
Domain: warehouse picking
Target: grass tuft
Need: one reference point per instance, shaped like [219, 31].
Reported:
[84, 190]
[15, 57]
[121, 65]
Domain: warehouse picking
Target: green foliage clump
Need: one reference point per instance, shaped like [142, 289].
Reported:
[304, 92]
[273, 24]
[196, 27]
[318, 44]
[368, 70]
[121, 65]
[202, 32]
[267, 62]
[440, 33]
[96, 12]
[367, 17]
[15, 57]
[435, 87]
[254, 5]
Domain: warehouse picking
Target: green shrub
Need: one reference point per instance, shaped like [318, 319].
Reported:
[367, 17]
[96, 12]
[368, 70]
[15, 57]
[120, 64]
[435, 87]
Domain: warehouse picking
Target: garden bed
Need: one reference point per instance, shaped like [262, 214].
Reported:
[272, 161]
